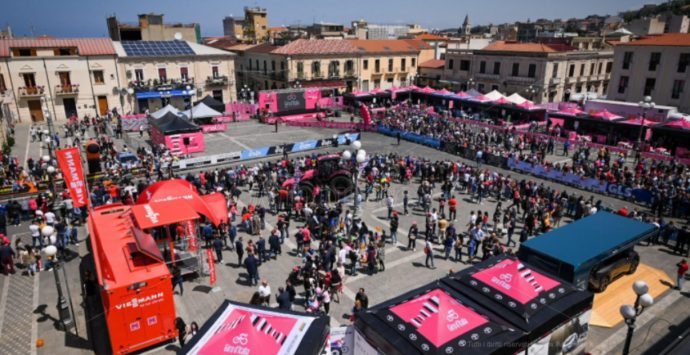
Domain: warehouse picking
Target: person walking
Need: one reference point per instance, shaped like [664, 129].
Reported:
[389, 204]
[283, 299]
[429, 255]
[252, 266]
[177, 279]
[218, 247]
[239, 249]
[7, 256]
[394, 228]
[680, 275]
[412, 236]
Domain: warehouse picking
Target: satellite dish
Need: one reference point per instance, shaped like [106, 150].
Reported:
[178, 36]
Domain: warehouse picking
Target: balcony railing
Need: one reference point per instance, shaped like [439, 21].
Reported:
[161, 85]
[317, 75]
[217, 80]
[301, 76]
[555, 81]
[349, 73]
[31, 91]
[70, 89]
[488, 76]
[334, 75]
[520, 79]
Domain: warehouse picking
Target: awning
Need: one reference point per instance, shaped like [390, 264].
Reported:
[150, 215]
[181, 192]
[218, 205]
[159, 94]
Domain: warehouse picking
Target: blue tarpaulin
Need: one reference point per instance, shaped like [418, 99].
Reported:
[159, 94]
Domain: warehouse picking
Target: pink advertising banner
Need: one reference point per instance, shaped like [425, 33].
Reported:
[439, 317]
[218, 127]
[513, 279]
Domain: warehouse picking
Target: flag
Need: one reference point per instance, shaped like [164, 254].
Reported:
[69, 161]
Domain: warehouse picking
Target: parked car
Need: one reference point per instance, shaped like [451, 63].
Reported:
[624, 263]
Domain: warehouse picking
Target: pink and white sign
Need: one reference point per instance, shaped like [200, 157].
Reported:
[218, 127]
[512, 278]
[438, 317]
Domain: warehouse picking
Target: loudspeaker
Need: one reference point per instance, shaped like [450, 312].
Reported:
[185, 140]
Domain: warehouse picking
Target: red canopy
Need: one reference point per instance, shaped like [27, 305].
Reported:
[682, 124]
[218, 204]
[606, 115]
[178, 190]
[571, 111]
[162, 214]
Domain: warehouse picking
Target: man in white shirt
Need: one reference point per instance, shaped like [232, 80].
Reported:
[50, 218]
[265, 292]
[36, 234]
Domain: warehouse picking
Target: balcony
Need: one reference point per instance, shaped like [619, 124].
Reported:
[316, 75]
[31, 91]
[301, 76]
[485, 76]
[217, 80]
[555, 81]
[161, 85]
[350, 74]
[334, 75]
[71, 89]
[521, 79]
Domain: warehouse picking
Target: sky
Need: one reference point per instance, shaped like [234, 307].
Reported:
[86, 18]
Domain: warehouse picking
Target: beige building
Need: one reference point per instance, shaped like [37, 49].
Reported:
[155, 73]
[72, 76]
[539, 72]
[657, 66]
[151, 27]
[340, 64]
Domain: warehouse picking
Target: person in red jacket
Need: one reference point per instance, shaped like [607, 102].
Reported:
[680, 277]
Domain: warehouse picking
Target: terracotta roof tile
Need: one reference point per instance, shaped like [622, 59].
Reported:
[668, 39]
[316, 46]
[503, 46]
[390, 45]
[430, 37]
[85, 46]
[262, 48]
[433, 64]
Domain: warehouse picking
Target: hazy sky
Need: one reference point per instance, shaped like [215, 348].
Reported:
[86, 18]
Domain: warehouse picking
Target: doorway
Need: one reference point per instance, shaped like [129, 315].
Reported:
[103, 105]
[70, 107]
[36, 110]
[218, 95]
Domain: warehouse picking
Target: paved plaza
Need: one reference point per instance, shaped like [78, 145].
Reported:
[27, 305]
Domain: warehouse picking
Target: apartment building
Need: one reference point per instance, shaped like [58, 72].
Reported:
[656, 66]
[157, 73]
[151, 27]
[539, 72]
[62, 77]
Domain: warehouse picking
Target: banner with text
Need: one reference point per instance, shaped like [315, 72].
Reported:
[70, 164]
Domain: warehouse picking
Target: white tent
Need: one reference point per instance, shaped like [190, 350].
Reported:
[494, 95]
[473, 92]
[162, 112]
[516, 99]
[201, 111]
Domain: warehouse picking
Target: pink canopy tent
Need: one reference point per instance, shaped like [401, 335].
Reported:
[358, 93]
[606, 115]
[640, 121]
[462, 94]
[376, 91]
[443, 92]
[427, 90]
[181, 191]
[502, 101]
[528, 105]
[571, 111]
[413, 87]
[682, 124]
[481, 98]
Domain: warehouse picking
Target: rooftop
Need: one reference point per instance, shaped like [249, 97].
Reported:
[85, 46]
[262, 48]
[505, 46]
[430, 37]
[668, 39]
[390, 45]
[433, 64]
[137, 49]
[318, 46]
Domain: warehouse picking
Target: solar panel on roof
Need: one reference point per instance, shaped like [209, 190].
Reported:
[156, 48]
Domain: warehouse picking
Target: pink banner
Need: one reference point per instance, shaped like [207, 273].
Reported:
[230, 119]
[218, 127]
[335, 125]
[513, 279]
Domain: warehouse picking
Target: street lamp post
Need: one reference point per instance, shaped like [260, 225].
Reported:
[630, 313]
[66, 321]
[51, 176]
[190, 93]
[360, 157]
[531, 91]
[646, 104]
[470, 83]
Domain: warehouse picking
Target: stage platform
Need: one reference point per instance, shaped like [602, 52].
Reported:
[606, 309]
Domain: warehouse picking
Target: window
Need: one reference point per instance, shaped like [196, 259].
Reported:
[250, 64]
[654, 60]
[494, 87]
[591, 69]
[450, 64]
[282, 66]
[622, 84]
[349, 66]
[316, 69]
[571, 71]
[482, 67]
[554, 73]
[582, 70]
[516, 69]
[265, 68]
[25, 52]
[627, 60]
[403, 64]
[377, 83]
[139, 74]
[532, 71]
[649, 86]
[414, 62]
[497, 68]
[214, 71]
[683, 61]
[609, 67]
[3, 88]
[300, 69]
[365, 64]
[65, 79]
[273, 65]
[464, 65]
[98, 77]
[600, 66]
[390, 65]
[480, 87]
[29, 80]
[162, 74]
[184, 73]
[678, 86]
[377, 66]
[63, 51]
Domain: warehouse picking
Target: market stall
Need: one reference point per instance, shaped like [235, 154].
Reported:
[177, 134]
[554, 314]
[433, 319]
[237, 328]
